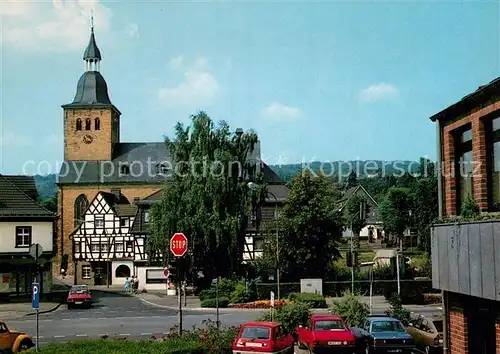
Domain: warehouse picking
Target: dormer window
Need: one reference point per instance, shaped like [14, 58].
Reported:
[97, 124]
[78, 124]
[124, 170]
[162, 168]
[88, 124]
[124, 222]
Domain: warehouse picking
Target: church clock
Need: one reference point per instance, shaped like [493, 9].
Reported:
[87, 139]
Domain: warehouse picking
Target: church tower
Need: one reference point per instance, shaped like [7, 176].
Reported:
[91, 121]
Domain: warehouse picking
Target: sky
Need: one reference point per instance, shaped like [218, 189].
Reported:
[317, 80]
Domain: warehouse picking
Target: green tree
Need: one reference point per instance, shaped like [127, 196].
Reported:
[355, 217]
[49, 203]
[310, 227]
[352, 180]
[395, 211]
[424, 200]
[206, 196]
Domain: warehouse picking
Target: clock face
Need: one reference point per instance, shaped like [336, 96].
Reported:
[87, 139]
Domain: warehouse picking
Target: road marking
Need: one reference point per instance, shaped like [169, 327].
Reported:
[84, 318]
[146, 334]
[66, 319]
[81, 335]
[59, 336]
[102, 335]
[124, 334]
[165, 333]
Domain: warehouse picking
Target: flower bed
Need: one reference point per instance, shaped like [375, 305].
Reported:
[260, 304]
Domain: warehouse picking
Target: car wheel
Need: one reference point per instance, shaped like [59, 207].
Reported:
[367, 348]
[25, 345]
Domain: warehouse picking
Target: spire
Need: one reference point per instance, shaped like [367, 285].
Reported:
[92, 55]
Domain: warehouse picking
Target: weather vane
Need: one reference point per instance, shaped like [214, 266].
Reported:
[92, 18]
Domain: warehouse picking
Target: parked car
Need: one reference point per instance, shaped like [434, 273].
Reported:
[383, 334]
[326, 333]
[263, 337]
[427, 332]
[79, 295]
[12, 341]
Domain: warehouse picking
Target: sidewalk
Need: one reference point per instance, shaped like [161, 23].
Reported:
[16, 310]
[171, 302]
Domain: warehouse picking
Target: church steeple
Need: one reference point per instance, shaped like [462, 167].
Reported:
[92, 54]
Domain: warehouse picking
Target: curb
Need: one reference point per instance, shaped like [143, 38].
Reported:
[201, 309]
[46, 311]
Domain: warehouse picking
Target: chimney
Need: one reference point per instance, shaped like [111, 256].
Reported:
[117, 193]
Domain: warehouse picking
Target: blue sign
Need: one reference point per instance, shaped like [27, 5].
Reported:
[35, 295]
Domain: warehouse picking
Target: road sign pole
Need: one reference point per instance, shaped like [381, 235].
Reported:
[179, 294]
[178, 247]
[217, 303]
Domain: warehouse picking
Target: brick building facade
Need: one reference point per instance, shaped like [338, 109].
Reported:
[466, 255]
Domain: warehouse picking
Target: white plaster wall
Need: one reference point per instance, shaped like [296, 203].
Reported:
[141, 273]
[116, 264]
[42, 233]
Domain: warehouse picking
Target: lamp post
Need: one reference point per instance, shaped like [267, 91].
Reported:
[254, 186]
[370, 264]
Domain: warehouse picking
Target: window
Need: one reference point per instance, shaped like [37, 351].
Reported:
[119, 247]
[155, 276]
[23, 236]
[88, 124]
[146, 217]
[78, 124]
[97, 124]
[124, 170]
[258, 244]
[251, 332]
[99, 221]
[464, 166]
[85, 271]
[124, 222]
[104, 247]
[95, 247]
[493, 151]
[122, 271]
[162, 168]
[79, 209]
[77, 247]
[329, 325]
[387, 326]
[129, 246]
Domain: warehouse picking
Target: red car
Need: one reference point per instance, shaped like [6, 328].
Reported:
[79, 295]
[326, 333]
[263, 337]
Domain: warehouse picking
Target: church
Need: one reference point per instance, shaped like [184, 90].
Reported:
[105, 184]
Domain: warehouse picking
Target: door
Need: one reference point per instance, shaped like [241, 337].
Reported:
[481, 330]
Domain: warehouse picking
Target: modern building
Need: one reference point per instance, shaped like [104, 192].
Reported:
[23, 223]
[466, 254]
[102, 222]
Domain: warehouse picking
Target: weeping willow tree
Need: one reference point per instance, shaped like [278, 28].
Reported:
[206, 195]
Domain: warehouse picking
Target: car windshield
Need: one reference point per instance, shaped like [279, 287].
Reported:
[256, 333]
[387, 326]
[439, 325]
[78, 289]
[329, 325]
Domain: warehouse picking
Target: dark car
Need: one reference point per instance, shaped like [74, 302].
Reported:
[383, 334]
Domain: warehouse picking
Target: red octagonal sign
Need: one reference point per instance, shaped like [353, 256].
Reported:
[178, 244]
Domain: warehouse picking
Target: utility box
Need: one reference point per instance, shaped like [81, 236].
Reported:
[314, 286]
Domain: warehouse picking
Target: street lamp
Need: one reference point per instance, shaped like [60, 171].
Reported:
[370, 264]
[253, 187]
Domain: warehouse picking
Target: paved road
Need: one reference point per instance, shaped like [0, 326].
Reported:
[118, 316]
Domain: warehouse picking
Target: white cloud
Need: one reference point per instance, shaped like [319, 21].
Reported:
[281, 112]
[132, 30]
[198, 88]
[378, 92]
[51, 26]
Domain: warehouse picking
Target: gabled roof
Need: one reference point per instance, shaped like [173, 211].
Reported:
[15, 203]
[25, 183]
[120, 205]
[349, 193]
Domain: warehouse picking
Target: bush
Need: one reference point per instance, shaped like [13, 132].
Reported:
[290, 316]
[315, 301]
[105, 346]
[260, 304]
[352, 310]
[397, 310]
[223, 302]
[240, 295]
[226, 288]
[264, 289]
[411, 292]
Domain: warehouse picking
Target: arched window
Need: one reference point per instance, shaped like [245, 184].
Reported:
[97, 124]
[78, 124]
[81, 205]
[88, 124]
[122, 271]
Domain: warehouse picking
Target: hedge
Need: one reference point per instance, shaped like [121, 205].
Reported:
[223, 302]
[114, 346]
[411, 290]
[314, 301]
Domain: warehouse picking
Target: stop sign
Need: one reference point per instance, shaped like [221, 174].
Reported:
[165, 272]
[178, 244]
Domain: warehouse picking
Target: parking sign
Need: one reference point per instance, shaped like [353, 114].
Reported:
[35, 295]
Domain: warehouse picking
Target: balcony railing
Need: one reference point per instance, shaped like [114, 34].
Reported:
[466, 258]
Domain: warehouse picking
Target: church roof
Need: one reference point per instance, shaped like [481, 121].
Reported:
[91, 90]
[92, 52]
[15, 203]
